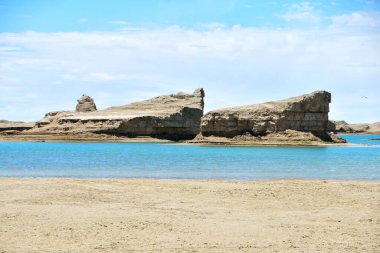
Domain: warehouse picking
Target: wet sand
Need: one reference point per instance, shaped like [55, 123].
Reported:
[141, 215]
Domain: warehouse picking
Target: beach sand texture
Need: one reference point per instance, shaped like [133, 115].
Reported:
[143, 215]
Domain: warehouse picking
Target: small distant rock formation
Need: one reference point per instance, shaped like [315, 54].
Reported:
[14, 127]
[85, 104]
[342, 126]
[304, 113]
[176, 116]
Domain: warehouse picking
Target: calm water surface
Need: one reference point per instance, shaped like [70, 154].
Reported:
[156, 160]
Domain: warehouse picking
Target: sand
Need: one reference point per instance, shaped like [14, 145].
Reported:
[141, 215]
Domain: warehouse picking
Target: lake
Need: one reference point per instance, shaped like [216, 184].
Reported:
[169, 161]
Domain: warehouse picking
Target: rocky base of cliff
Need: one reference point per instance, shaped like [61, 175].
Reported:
[285, 138]
[288, 137]
[74, 137]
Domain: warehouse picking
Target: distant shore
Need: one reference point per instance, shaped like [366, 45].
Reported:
[142, 215]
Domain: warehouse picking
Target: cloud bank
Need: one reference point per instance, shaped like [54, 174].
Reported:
[236, 65]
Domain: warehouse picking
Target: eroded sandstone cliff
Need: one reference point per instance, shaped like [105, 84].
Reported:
[14, 127]
[176, 116]
[306, 113]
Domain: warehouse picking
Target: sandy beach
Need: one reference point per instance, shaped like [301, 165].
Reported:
[143, 215]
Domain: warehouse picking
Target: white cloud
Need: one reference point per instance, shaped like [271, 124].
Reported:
[213, 25]
[131, 29]
[124, 26]
[235, 66]
[8, 49]
[101, 77]
[358, 20]
[301, 12]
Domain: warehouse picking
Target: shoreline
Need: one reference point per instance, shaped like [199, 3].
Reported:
[103, 138]
[77, 138]
[153, 215]
[193, 180]
[359, 133]
[101, 179]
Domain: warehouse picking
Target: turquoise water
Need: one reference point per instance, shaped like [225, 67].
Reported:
[158, 160]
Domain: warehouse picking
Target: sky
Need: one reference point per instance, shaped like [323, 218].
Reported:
[240, 51]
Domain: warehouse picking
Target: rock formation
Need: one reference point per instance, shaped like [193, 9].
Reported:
[85, 104]
[13, 127]
[342, 126]
[303, 113]
[176, 116]
[374, 128]
[331, 126]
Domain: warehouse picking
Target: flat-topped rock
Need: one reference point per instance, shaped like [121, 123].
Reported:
[303, 113]
[176, 116]
[15, 126]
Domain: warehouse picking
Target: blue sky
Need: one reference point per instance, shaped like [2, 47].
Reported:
[91, 15]
[241, 52]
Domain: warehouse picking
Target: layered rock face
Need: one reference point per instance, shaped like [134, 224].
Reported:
[85, 104]
[13, 127]
[303, 113]
[176, 116]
